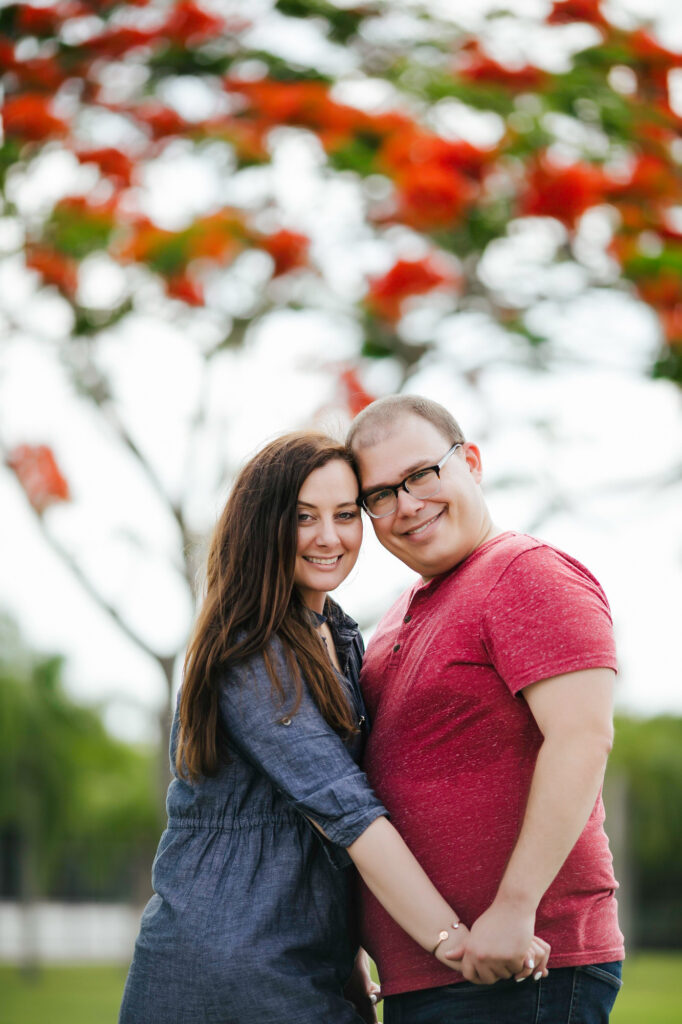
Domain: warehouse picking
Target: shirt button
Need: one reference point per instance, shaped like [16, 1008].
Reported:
[286, 721]
[407, 618]
[396, 648]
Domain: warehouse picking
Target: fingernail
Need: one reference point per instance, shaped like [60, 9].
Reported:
[537, 976]
[520, 979]
[372, 999]
[531, 964]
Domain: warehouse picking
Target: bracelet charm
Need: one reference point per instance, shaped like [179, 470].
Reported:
[442, 936]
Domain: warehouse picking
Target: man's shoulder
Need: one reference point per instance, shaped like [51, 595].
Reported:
[525, 553]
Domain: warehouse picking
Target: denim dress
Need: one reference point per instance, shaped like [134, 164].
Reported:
[249, 921]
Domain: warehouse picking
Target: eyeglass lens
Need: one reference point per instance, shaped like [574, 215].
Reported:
[423, 484]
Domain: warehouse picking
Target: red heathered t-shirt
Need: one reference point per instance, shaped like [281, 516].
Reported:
[453, 744]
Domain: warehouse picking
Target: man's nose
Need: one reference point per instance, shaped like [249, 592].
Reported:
[408, 503]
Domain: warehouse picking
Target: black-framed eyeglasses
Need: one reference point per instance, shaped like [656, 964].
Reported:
[423, 483]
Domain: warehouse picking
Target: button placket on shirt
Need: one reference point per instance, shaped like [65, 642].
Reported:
[401, 636]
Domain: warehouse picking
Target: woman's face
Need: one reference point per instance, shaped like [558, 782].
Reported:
[329, 531]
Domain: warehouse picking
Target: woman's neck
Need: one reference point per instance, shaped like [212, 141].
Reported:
[314, 599]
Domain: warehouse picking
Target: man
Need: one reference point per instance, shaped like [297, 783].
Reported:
[489, 685]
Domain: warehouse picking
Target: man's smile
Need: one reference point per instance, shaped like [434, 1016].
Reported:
[416, 530]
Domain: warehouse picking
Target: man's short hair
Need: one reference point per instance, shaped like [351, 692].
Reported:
[377, 421]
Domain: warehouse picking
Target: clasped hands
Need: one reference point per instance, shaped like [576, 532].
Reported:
[500, 944]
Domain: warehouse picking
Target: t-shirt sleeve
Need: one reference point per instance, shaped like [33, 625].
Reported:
[546, 616]
[300, 753]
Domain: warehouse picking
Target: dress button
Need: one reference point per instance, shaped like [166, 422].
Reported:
[407, 618]
[396, 648]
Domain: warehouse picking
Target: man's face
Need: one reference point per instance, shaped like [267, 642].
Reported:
[431, 535]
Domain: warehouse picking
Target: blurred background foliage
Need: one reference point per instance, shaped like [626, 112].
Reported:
[79, 814]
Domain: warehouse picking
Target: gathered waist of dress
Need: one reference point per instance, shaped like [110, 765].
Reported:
[231, 823]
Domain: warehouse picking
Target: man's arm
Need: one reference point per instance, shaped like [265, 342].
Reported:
[574, 713]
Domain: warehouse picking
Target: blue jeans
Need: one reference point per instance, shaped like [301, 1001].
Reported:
[569, 995]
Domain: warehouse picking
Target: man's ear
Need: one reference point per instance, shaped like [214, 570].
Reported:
[472, 455]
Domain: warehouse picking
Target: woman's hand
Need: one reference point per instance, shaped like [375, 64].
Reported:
[535, 962]
[361, 990]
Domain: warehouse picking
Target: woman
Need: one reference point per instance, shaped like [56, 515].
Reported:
[249, 921]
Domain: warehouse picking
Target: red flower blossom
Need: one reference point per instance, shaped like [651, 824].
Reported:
[306, 104]
[36, 470]
[565, 11]
[40, 73]
[632, 216]
[475, 66]
[662, 289]
[144, 242]
[117, 41]
[186, 288]
[218, 237]
[652, 178]
[189, 25]
[564, 192]
[356, 398]
[431, 197]
[29, 116]
[288, 249]
[6, 55]
[647, 49]
[671, 322]
[54, 268]
[113, 163]
[162, 121]
[247, 139]
[406, 278]
[44, 21]
[412, 146]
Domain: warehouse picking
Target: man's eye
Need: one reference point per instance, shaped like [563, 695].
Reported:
[414, 478]
[380, 495]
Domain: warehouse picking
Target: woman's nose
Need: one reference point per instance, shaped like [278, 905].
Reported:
[327, 532]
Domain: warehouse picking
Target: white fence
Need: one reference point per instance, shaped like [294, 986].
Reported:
[68, 932]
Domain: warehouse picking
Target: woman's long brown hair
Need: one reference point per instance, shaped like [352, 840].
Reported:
[250, 598]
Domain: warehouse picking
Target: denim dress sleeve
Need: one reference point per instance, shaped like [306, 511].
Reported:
[300, 753]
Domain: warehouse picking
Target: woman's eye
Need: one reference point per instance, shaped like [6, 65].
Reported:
[304, 517]
[347, 517]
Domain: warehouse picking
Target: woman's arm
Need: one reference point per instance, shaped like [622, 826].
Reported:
[395, 877]
[393, 874]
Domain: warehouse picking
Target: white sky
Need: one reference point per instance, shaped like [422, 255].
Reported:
[593, 440]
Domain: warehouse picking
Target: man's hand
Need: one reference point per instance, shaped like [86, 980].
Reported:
[451, 954]
[498, 944]
[361, 990]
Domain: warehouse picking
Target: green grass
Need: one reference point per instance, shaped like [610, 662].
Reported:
[652, 990]
[651, 994]
[62, 995]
